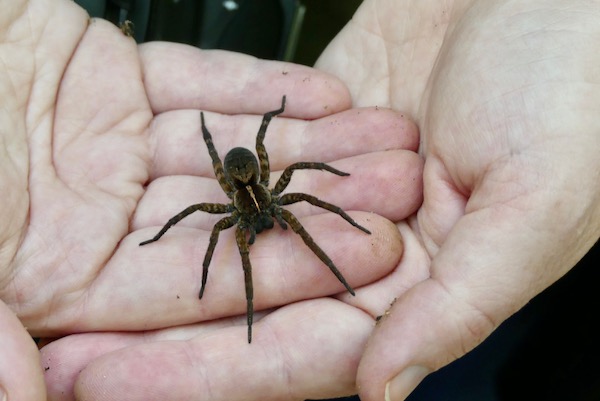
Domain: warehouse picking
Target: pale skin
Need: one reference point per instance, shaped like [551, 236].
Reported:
[506, 96]
[101, 144]
[506, 99]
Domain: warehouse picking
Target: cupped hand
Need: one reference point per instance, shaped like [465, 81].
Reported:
[506, 97]
[102, 144]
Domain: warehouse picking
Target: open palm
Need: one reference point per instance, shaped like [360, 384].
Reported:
[506, 99]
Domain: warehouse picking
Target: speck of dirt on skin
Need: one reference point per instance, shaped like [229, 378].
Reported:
[284, 72]
[379, 318]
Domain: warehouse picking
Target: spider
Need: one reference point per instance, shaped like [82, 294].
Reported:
[254, 206]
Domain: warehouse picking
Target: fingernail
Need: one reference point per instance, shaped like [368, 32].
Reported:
[402, 385]
[3, 396]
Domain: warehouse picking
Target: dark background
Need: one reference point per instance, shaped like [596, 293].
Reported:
[547, 351]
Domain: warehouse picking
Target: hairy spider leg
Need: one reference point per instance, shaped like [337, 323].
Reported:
[294, 197]
[216, 161]
[286, 176]
[261, 151]
[223, 224]
[214, 208]
[242, 243]
[308, 240]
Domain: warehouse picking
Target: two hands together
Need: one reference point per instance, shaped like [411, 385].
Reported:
[101, 145]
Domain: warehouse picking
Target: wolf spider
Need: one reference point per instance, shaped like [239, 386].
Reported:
[254, 206]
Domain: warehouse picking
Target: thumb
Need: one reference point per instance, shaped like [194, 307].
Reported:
[490, 265]
[21, 375]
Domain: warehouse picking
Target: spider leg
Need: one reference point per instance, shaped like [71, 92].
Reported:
[279, 219]
[299, 229]
[286, 176]
[242, 243]
[216, 161]
[252, 232]
[294, 197]
[222, 224]
[214, 208]
[263, 157]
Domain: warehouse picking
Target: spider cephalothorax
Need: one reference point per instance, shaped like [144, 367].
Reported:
[254, 206]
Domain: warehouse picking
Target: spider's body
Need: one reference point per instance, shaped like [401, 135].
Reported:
[254, 206]
[251, 199]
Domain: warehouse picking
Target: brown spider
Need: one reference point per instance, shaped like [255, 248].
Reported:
[254, 205]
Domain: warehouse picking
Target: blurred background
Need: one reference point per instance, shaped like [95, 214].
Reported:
[547, 351]
[290, 30]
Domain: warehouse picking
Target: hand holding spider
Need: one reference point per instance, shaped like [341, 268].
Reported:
[105, 118]
[101, 287]
[297, 309]
[293, 285]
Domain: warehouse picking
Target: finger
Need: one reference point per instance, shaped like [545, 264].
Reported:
[413, 267]
[20, 373]
[29, 89]
[158, 284]
[297, 353]
[178, 147]
[63, 359]
[101, 90]
[378, 177]
[185, 77]
[101, 112]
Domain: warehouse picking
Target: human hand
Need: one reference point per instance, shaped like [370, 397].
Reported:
[505, 96]
[89, 119]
